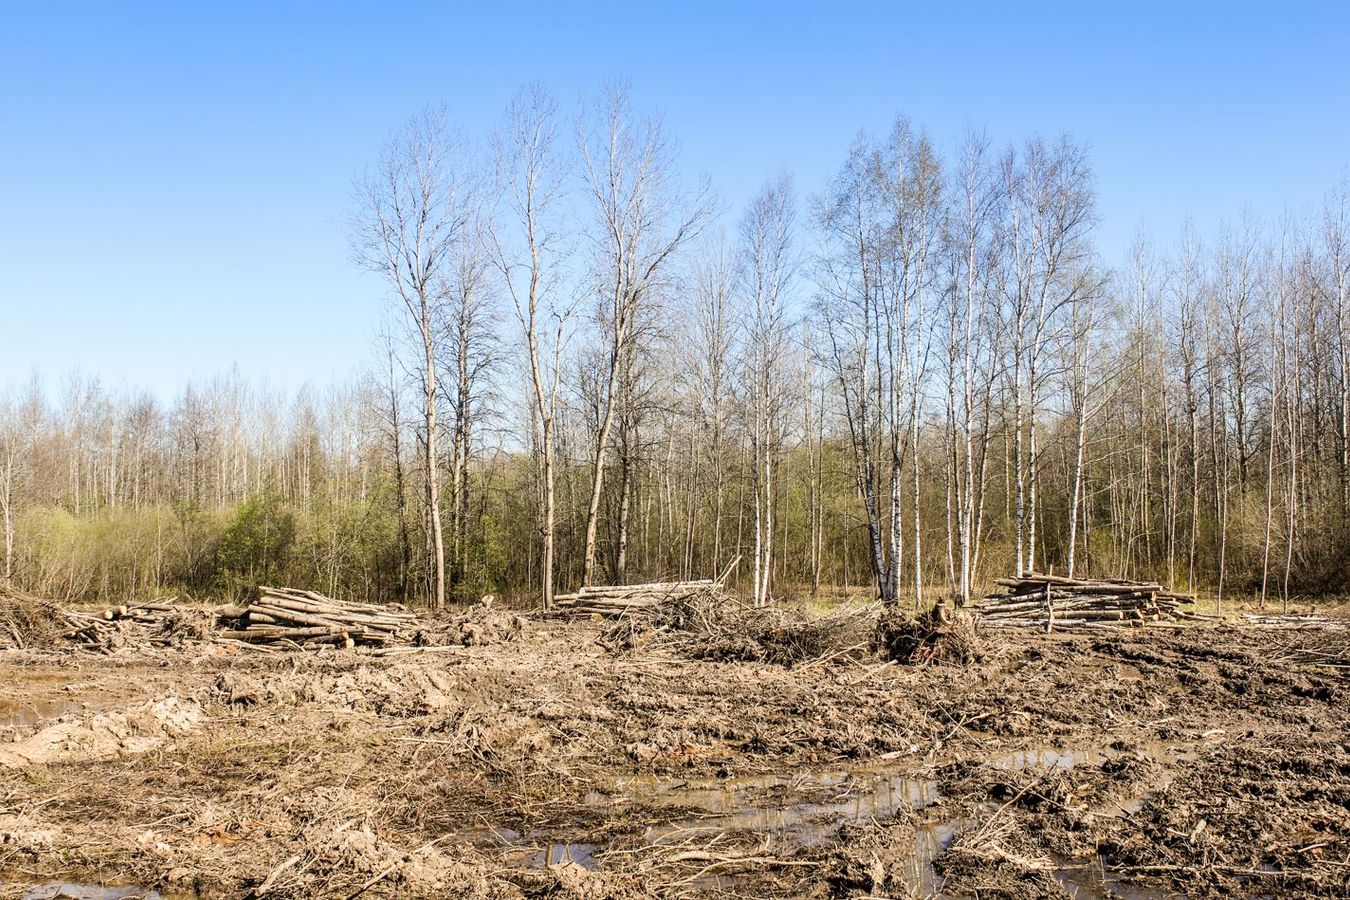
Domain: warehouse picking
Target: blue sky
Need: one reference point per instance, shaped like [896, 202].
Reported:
[174, 177]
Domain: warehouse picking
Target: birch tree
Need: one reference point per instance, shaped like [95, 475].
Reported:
[769, 263]
[1048, 214]
[532, 174]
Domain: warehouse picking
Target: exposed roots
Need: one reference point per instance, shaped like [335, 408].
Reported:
[935, 636]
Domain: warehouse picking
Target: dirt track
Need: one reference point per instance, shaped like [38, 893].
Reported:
[1140, 764]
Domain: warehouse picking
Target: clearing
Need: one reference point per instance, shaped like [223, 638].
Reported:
[594, 759]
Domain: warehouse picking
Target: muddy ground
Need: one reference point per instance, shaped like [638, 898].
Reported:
[1204, 762]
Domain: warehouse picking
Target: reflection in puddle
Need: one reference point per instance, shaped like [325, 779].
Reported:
[821, 801]
[1091, 882]
[931, 840]
[558, 854]
[534, 851]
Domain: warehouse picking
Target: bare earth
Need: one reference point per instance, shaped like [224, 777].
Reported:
[1207, 762]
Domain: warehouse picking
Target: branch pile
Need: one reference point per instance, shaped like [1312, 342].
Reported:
[1055, 601]
[307, 618]
[160, 623]
[615, 600]
[1326, 647]
[27, 621]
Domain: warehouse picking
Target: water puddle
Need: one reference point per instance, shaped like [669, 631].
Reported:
[806, 809]
[1089, 881]
[931, 840]
[1049, 758]
[74, 890]
[535, 850]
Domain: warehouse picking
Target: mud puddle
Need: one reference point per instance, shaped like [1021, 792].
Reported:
[536, 850]
[807, 809]
[16, 715]
[931, 840]
[804, 809]
[557, 854]
[75, 890]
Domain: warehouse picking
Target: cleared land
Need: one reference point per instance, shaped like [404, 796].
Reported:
[776, 755]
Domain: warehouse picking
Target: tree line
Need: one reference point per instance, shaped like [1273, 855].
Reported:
[919, 377]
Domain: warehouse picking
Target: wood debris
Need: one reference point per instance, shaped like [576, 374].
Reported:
[158, 623]
[1037, 600]
[1310, 621]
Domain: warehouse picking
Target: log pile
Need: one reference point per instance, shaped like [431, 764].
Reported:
[1037, 600]
[307, 618]
[613, 600]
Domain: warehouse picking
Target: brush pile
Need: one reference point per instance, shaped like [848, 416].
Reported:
[288, 617]
[1055, 601]
[28, 622]
[718, 626]
[613, 601]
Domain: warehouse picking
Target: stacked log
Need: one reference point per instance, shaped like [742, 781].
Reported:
[615, 600]
[1056, 601]
[308, 618]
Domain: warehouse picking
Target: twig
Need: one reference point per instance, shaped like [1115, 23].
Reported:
[274, 875]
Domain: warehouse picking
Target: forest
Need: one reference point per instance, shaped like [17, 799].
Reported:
[901, 384]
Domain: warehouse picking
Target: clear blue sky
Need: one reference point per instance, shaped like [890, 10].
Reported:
[173, 177]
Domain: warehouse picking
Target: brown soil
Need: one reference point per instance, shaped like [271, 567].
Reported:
[577, 759]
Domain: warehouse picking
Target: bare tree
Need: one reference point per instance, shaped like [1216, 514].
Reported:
[1187, 288]
[713, 284]
[1335, 288]
[391, 386]
[412, 213]
[848, 307]
[470, 350]
[969, 252]
[13, 454]
[641, 220]
[1083, 388]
